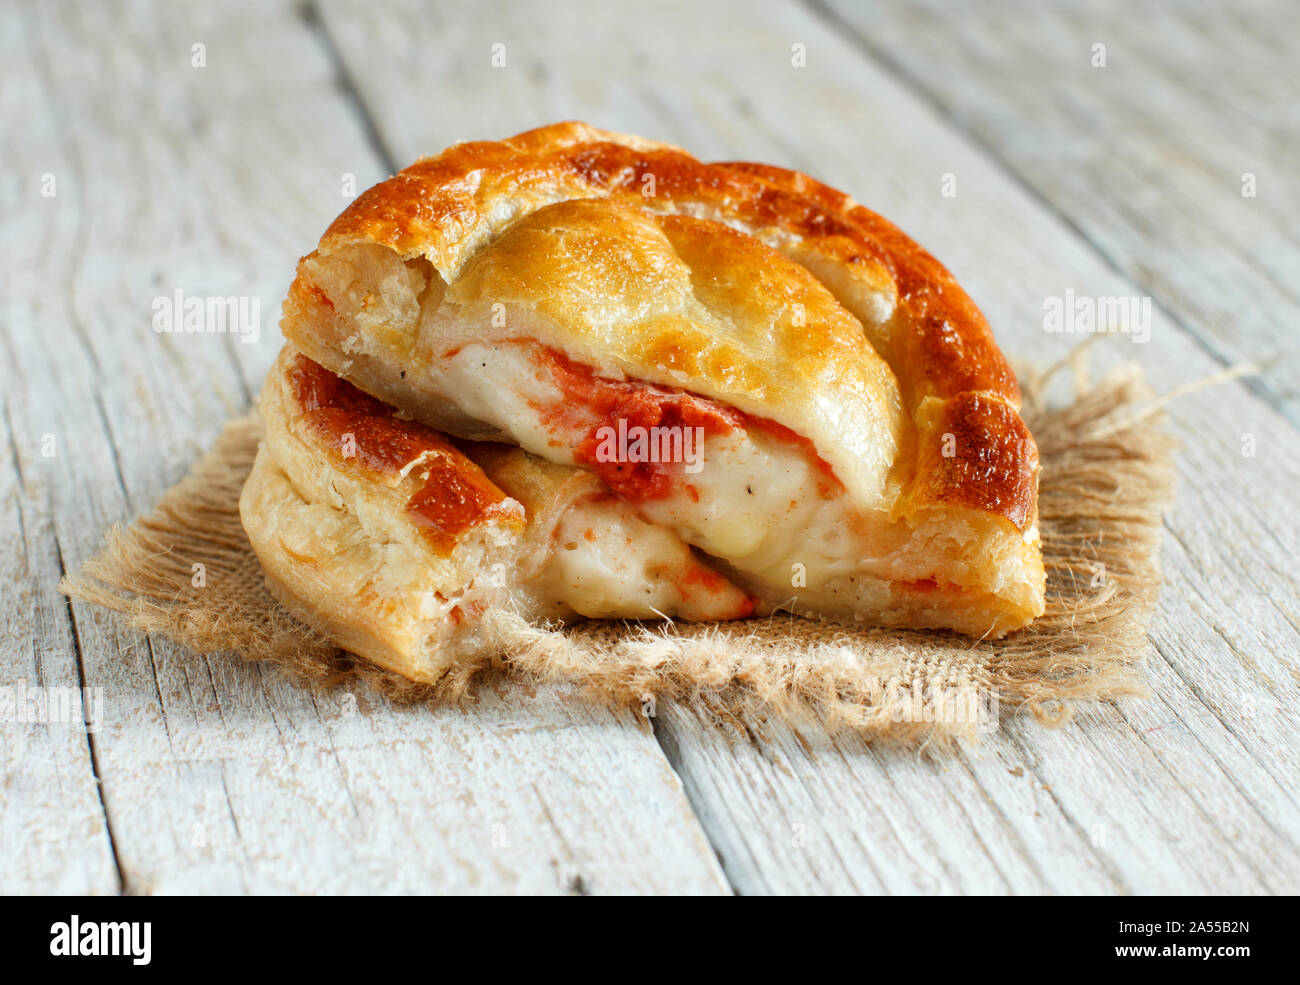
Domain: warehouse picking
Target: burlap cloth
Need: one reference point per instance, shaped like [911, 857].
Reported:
[1107, 475]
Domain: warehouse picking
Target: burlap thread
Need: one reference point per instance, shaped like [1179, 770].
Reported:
[1107, 476]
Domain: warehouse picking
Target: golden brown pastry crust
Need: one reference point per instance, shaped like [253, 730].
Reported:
[393, 540]
[369, 527]
[360, 436]
[929, 332]
[754, 287]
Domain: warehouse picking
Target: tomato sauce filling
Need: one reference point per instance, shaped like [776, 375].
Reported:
[455, 496]
[648, 405]
[707, 580]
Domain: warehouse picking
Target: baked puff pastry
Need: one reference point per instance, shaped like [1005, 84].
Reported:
[392, 540]
[744, 360]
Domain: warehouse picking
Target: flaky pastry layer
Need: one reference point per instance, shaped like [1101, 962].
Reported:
[832, 344]
[393, 541]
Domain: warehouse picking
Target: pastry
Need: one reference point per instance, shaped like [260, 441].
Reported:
[741, 358]
[392, 540]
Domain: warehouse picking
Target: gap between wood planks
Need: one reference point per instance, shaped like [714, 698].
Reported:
[1260, 386]
[311, 16]
[69, 149]
[308, 13]
[75, 633]
[90, 732]
[87, 643]
[1053, 215]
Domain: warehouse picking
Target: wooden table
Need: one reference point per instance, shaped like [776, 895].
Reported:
[151, 147]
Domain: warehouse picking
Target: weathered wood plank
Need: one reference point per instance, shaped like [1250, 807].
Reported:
[51, 821]
[1192, 791]
[1147, 156]
[215, 775]
[52, 825]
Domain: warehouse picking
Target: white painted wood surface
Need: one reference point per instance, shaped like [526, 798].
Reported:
[218, 777]
[1167, 139]
[215, 776]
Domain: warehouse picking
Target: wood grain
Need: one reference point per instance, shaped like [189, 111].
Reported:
[1145, 156]
[218, 777]
[215, 776]
[1189, 792]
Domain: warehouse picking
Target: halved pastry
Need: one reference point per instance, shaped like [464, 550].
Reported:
[747, 360]
[393, 541]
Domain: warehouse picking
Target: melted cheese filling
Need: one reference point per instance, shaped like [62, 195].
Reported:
[609, 563]
[762, 500]
[763, 504]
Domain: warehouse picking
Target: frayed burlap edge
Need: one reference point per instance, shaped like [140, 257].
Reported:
[1107, 476]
